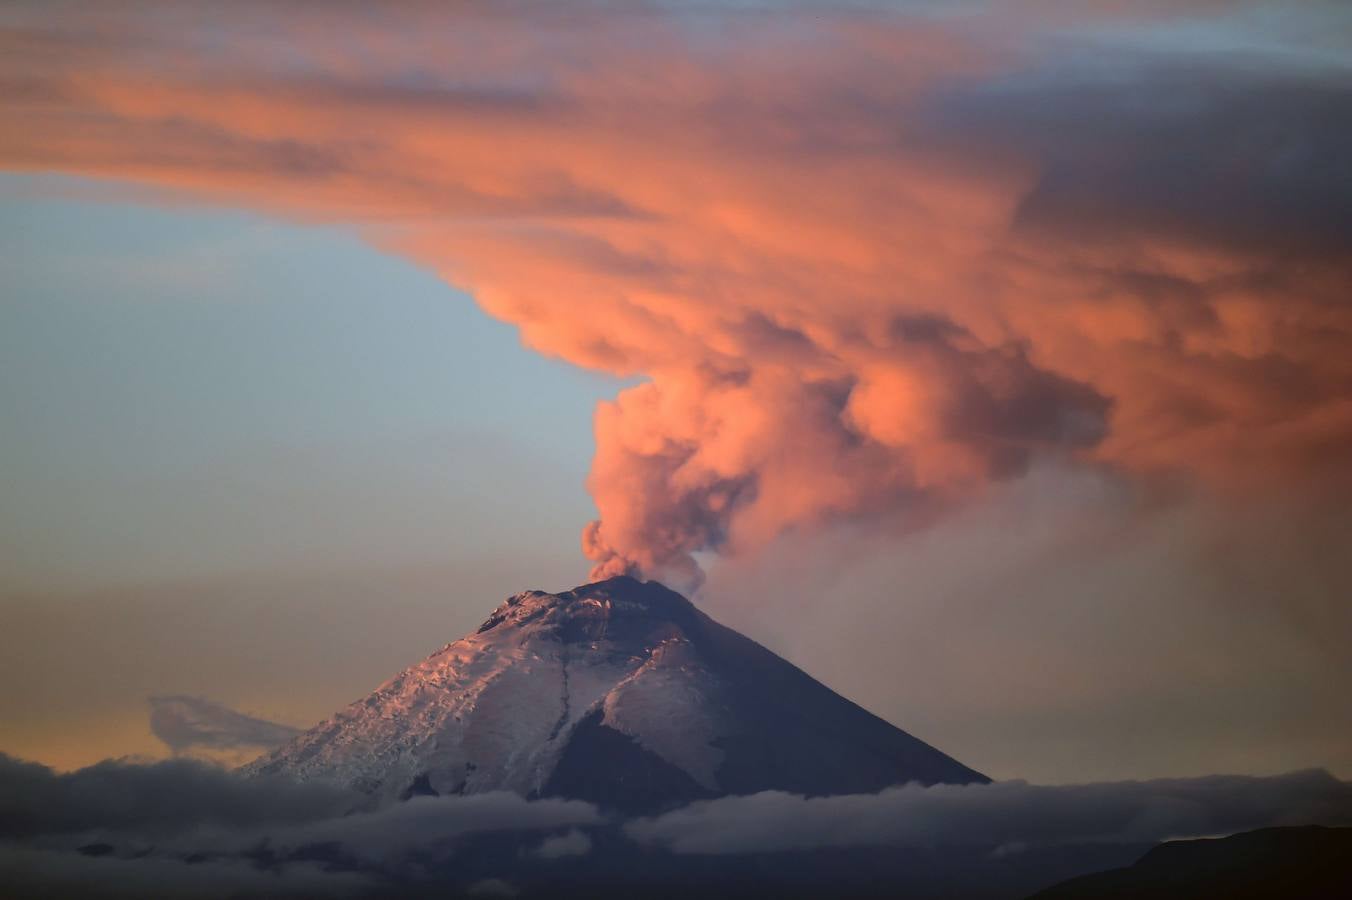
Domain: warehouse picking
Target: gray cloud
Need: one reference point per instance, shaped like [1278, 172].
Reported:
[1239, 157]
[492, 887]
[185, 722]
[151, 799]
[571, 843]
[186, 828]
[183, 828]
[395, 834]
[27, 871]
[193, 801]
[1002, 814]
[113, 829]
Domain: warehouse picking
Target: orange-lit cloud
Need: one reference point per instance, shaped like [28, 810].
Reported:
[866, 261]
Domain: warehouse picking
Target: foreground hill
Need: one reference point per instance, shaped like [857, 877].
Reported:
[1307, 863]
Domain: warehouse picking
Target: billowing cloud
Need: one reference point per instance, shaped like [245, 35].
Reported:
[186, 723]
[1007, 814]
[866, 260]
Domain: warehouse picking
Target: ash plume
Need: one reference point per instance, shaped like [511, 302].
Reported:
[861, 275]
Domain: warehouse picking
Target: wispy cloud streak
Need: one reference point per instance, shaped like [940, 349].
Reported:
[185, 723]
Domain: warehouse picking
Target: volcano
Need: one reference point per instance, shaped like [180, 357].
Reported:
[621, 693]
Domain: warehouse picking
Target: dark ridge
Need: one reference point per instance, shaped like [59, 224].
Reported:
[1305, 863]
[609, 768]
[420, 786]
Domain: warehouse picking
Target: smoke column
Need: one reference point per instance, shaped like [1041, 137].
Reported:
[865, 263]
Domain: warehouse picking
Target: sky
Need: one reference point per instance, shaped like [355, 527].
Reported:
[989, 361]
[219, 428]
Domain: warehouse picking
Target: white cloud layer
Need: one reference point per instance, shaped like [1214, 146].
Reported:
[1001, 814]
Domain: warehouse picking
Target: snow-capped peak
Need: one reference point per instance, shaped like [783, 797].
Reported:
[620, 692]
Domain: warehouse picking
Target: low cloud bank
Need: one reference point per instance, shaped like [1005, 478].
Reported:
[151, 799]
[185, 828]
[1003, 814]
[403, 834]
[29, 872]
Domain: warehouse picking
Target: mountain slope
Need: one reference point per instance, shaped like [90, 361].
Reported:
[619, 692]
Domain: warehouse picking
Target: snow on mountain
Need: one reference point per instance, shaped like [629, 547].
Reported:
[619, 692]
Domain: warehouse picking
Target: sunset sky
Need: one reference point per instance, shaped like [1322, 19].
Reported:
[990, 361]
